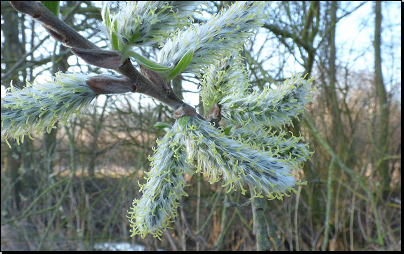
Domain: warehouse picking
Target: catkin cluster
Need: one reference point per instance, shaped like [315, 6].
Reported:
[246, 152]
[250, 148]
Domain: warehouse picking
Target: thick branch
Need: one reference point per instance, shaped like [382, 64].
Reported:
[110, 59]
[153, 85]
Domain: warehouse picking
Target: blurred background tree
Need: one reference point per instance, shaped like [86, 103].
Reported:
[71, 188]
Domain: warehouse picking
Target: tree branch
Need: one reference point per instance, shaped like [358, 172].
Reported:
[151, 84]
[279, 32]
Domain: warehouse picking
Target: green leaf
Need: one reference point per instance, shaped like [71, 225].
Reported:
[114, 37]
[227, 130]
[105, 15]
[53, 6]
[181, 66]
[147, 63]
[183, 121]
[161, 125]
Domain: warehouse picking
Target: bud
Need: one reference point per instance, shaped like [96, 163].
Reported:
[102, 84]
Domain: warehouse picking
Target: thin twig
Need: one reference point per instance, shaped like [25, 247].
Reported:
[13, 69]
[171, 240]
[328, 206]
[296, 217]
[197, 238]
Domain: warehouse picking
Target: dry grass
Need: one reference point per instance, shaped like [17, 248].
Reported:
[94, 211]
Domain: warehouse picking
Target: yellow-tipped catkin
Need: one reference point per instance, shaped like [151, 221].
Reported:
[42, 104]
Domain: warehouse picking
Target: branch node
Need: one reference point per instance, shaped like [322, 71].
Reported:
[184, 110]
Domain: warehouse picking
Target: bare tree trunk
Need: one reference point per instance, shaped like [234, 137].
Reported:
[337, 129]
[383, 128]
[338, 141]
[49, 139]
[13, 50]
